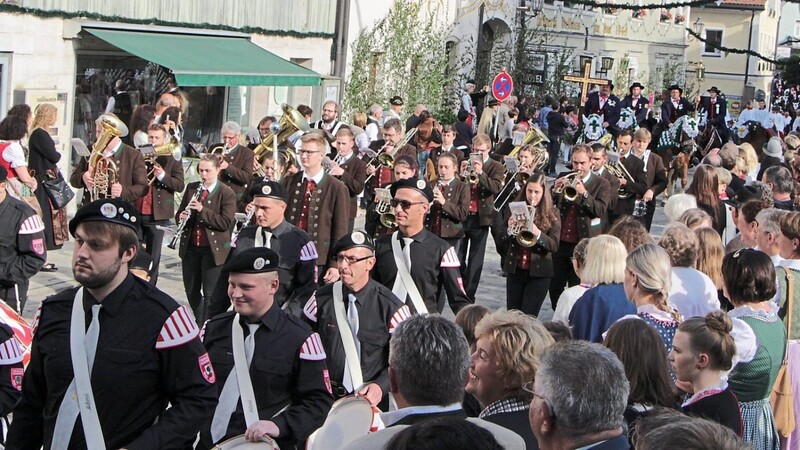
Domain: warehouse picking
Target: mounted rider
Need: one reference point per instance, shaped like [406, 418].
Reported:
[716, 109]
[637, 102]
[606, 105]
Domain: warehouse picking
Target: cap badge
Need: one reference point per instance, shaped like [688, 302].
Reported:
[108, 210]
[259, 263]
[266, 190]
[421, 184]
[357, 238]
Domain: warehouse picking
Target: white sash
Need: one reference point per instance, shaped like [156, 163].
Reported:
[243, 373]
[80, 388]
[348, 340]
[405, 276]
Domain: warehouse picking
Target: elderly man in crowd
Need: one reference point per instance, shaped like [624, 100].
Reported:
[569, 412]
[428, 364]
[780, 180]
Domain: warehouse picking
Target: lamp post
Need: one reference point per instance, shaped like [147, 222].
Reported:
[532, 6]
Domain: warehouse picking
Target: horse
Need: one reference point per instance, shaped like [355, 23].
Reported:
[678, 141]
[710, 137]
[754, 133]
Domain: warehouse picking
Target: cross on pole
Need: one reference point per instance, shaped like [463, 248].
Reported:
[585, 81]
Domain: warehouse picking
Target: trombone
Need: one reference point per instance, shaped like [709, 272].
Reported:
[568, 186]
[386, 159]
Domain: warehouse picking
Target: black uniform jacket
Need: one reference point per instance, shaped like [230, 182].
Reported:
[10, 369]
[149, 355]
[297, 267]
[641, 109]
[541, 260]
[716, 113]
[22, 247]
[288, 368]
[432, 261]
[609, 111]
[379, 313]
[636, 189]
[669, 113]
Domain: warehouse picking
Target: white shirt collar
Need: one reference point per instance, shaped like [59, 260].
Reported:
[213, 186]
[317, 178]
[392, 417]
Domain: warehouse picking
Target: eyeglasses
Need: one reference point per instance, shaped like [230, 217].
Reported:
[308, 152]
[405, 204]
[350, 259]
[229, 138]
[528, 387]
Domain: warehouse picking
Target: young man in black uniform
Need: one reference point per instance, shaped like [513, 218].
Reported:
[426, 258]
[369, 313]
[147, 349]
[298, 255]
[285, 391]
[631, 189]
[22, 246]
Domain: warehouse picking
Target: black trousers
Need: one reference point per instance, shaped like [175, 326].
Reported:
[200, 274]
[563, 272]
[9, 295]
[499, 231]
[441, 294]
[526, 293]
[553, 148]
[472, 252]
[153, 239]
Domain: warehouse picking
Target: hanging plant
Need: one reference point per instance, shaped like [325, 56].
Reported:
[679, 19]
[666, 16]
[639, 13]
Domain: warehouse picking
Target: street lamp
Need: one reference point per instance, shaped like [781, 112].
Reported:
[698, 25]
[532, 6]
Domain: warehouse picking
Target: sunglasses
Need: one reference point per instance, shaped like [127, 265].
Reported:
[405, 204]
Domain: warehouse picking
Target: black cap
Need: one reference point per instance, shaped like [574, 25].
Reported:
[675, 86]
[610, 84]
[493, 102]
[713, 89]
[412, 183]
[114, 210]
[743, 194]
[397, 100]
[634, 85]
[142, 261]
[269, 189]
[357, 238]
[470, 81]
[253, 260]
[3, 174]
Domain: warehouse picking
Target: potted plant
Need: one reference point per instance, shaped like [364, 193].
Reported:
[679, 19]
[666, 16]
[639, 13]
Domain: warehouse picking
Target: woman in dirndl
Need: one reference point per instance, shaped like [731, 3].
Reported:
[760, 337]
[789, 244]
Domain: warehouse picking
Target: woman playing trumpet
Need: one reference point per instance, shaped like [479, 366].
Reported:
[530, 268]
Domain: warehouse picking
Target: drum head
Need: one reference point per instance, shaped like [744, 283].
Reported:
[349, 419]
[240, 443]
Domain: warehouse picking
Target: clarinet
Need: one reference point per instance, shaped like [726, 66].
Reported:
[182, 226]
[240, 225]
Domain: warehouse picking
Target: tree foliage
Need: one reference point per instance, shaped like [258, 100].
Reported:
[791, 70]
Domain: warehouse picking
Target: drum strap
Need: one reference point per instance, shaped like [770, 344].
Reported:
[405, 276]
[82, 346]
[238, 385]
[351, 356]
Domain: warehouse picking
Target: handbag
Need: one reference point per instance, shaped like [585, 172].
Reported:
[57, 189]
[782, 398]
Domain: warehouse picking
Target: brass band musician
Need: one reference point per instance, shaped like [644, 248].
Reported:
[236, 167]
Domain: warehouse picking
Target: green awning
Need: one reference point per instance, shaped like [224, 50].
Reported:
[198, 60]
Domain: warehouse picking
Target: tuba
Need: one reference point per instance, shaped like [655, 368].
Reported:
[383, 207]
[290, 123]
[103, 169]
[568, 189]
[534, 137]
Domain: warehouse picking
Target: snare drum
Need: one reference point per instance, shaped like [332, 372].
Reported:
[240, 443]
[349, 419]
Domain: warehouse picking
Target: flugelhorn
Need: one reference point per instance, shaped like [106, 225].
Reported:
[569, 186]
[383, 207]
[468, 174]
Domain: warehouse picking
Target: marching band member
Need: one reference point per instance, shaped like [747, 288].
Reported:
[426, 140]
[605, 104]
[490, 175]
[530, 268]
[128, 348]
[297, 267]
[328, 123]
[655, 173]
[448, 139]
[262, 130]
[599, 160]
[450, 203]
[367, 311]
[319, 203]
[158, 205]
[405, 167]
[350, 170]
[236, 167]
[276, 384]
[583, 214]
[208, 207]
[637, 102]
[633, 189]
[381, 176]
[412, 260]
[131, 171]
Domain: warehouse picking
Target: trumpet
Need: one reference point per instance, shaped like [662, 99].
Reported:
[383, 207]
[182, 226]
[568, 187]
[469, 174]
[386, 159]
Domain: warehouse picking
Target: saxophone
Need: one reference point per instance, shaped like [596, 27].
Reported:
[103, 169]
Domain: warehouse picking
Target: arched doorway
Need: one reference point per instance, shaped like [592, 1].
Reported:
[494, 49]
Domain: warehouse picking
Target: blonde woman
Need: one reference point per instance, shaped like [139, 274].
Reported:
[43, 161]
[606, 302]
[647, 282]
[752, 166]
[506, 356]
[709, 259]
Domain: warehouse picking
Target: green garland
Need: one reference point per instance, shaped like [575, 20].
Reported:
[14, 9]
[636, 7]
[736, 51]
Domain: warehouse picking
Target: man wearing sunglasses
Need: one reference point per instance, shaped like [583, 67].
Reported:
[355, 317]
[413, 261]
[318, 203]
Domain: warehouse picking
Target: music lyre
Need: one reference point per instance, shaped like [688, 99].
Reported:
[585, 81]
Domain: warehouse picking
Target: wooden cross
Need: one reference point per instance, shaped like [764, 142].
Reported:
[585, 81]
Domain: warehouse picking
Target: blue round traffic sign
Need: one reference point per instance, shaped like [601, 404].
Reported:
[502, 86]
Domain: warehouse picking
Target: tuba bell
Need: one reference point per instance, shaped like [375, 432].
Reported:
[103, 169]
[534, 137]
[290, 123]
